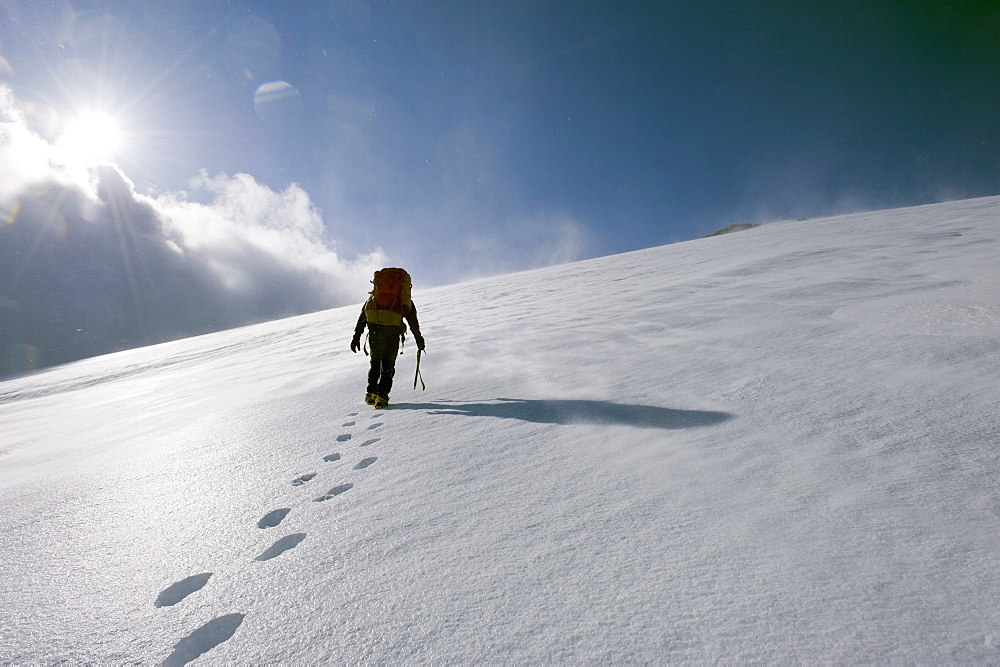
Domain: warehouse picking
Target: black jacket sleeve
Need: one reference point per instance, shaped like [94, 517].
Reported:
[359, 328]
[411, 318]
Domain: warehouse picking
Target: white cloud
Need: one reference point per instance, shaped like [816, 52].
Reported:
[26, 157]
[88, 265]
[249, 231]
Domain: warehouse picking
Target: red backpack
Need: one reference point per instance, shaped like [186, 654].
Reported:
[390, 299]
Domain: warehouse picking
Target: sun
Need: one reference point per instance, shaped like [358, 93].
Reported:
[91, 137]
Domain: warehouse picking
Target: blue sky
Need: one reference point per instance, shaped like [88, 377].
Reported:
[424, 127]
[459, 138]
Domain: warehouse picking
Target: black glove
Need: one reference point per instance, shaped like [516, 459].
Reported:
[420, 341]
[356, 344]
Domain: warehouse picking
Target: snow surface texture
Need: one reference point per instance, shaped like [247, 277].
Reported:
[778, 445]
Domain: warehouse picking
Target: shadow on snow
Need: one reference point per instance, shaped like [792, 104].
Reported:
[575, 412]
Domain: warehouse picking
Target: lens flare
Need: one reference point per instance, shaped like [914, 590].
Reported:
[23, 357]
[278, 104]
[8, 216]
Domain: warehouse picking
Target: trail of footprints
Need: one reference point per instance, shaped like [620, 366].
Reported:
[222, 628]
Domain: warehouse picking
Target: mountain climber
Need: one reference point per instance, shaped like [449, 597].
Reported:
[383, 314]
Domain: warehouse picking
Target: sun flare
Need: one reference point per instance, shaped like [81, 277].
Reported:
[91, 137]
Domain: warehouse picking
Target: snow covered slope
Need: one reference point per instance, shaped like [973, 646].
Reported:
[778, 445]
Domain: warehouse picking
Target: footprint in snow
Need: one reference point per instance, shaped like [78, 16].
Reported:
[273, 518]
[332, 457]
[281, 546]
[204, 639]
[369, 442]
[375, 426]
[346, 424]
[344, 438]
[299, 481]
[366, 462]
[174, 593]
[335, 491]
[353, 414]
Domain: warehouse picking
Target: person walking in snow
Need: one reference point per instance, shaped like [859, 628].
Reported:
[384, 314]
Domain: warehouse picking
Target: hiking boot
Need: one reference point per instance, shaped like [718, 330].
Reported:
[370, 398]
[381, 403]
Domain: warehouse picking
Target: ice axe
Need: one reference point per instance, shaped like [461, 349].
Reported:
[418, 376]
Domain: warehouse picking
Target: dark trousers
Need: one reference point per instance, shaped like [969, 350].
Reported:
[383, 341]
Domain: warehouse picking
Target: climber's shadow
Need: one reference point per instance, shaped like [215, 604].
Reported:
[575, 412]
